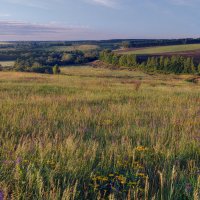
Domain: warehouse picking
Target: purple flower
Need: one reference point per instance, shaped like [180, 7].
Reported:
[7, 162]
[18, 160]
[188, 188]
[1, 195]
[196, 138]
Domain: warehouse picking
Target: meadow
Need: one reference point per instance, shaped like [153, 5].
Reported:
[164, 49]
[7, 63]
[82, 47]
[5, 43]
[93, 133]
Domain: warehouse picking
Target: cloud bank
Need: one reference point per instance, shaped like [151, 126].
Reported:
[18, 30]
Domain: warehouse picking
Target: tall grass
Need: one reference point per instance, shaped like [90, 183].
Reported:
[94, 134]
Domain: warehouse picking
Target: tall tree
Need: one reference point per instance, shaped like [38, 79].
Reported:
[123, 61]
[131, 60]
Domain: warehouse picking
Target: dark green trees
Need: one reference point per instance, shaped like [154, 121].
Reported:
[189, 67]
[173, 64]
[123, 61]
[115, 60]
[198, 68]
[131, 61]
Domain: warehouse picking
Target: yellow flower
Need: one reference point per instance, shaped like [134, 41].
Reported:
[104, 179]
[98, 177]
[111, 175]
[140, 148]
[141, 174]
[107, 122]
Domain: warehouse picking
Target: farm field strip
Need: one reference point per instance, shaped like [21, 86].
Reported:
[163, 49]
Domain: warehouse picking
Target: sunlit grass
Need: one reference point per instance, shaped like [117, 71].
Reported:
[89, 134]
[74, 48]
[7, 63]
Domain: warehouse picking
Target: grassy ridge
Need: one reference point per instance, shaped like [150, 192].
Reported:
[92, 133]
[165, 49]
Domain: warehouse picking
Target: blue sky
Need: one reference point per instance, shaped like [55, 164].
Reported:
[98, 19]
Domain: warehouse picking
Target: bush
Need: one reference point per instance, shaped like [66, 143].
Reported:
[45, 70]
[56, 69]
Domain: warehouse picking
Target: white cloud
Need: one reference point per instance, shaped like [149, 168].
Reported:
[185, 2]
[106, 3]
[30, 3]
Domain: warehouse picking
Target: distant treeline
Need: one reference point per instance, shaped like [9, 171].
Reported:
[174, 64]
[159, 42]
[110, 44]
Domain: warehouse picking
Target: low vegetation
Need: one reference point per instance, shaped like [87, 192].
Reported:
[99, 134]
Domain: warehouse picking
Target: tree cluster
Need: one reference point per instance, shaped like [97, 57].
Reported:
[174, 64]
[43, 62]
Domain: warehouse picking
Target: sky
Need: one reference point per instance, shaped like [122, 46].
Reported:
[98, 19]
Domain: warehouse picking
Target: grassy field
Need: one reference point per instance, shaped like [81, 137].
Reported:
[99, 134]
[3, 43]
[165, 49]
[74, 48]
[7, 63]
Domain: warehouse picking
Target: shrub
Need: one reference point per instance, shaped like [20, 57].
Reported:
[45, 70]
[56, 69]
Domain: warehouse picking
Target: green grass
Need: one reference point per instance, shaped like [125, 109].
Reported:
[7, 63]
[73, 136]
[74, 48]
[165, 49]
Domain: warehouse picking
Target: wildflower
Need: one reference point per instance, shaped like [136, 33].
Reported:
[98, 177]
[121, 179]
[141, 174]
[104, 179]
[188, 188]
[1, 195]
[94, 179]
[18, 160]
[107, 122]
[111, 175]
[140, 148]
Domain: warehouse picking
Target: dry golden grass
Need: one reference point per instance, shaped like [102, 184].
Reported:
[94, 134]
